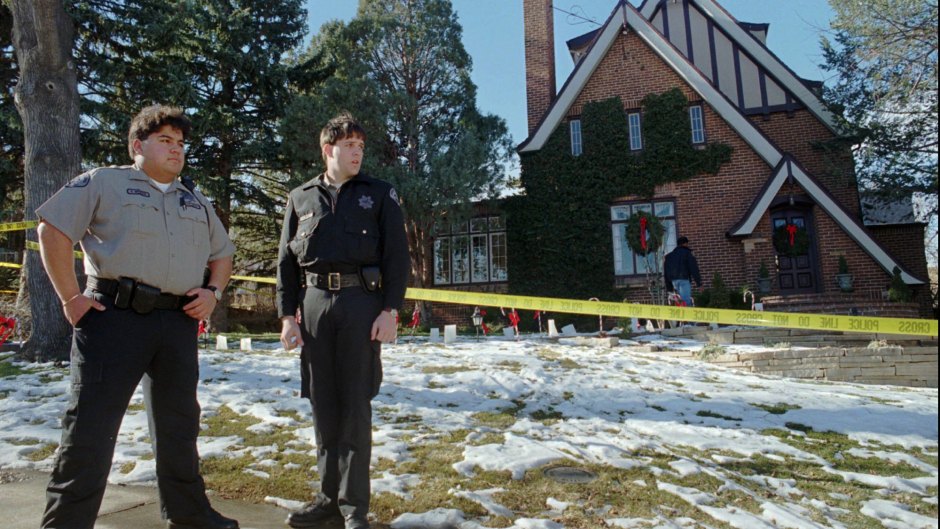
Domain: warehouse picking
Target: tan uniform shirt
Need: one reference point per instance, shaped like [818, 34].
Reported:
[128, 227]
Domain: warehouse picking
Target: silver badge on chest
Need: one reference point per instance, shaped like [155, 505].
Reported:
[365, 202]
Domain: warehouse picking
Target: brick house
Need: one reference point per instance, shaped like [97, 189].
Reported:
[741, 95]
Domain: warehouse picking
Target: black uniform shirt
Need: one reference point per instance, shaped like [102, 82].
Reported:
[362, 226]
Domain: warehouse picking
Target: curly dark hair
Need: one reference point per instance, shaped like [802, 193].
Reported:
[154, 118]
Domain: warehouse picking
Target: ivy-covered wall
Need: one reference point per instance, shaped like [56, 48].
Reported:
[559, 234]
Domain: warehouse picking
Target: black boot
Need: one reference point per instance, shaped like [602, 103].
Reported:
[311, 514]
[210, 519]
[356, 522]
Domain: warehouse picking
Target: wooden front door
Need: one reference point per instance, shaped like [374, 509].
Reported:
[797, 274]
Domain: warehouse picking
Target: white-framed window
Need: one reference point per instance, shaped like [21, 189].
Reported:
[698, 124]
[626, 261]
[471, 252]
[636, 131]
[460, 252]
[498, 257]
[442, 256]
[575, 128]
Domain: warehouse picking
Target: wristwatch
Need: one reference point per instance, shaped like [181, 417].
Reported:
[215, 290]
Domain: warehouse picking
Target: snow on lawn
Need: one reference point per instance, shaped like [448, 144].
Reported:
[582, 406]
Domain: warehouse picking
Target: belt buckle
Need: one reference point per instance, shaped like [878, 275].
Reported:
[333, 281]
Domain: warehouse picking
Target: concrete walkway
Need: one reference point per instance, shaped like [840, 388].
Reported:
[23, 497]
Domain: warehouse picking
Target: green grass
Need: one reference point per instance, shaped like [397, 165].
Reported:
[432, 454]
[715, 415]
[445, 370]
[777, 409]
[711, 350]
[42, 452]
[9, 369]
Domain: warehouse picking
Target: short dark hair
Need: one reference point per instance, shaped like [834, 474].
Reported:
[154, 118]
[682, 240]
[342, 126]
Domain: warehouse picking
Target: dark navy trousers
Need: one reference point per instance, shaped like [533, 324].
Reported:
[342, 371]
[111, 352]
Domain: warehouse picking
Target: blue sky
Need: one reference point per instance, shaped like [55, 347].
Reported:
[493, 36]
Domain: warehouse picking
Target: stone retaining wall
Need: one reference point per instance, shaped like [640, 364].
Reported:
[882, 359]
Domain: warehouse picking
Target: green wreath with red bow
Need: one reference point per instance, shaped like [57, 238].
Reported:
[644, 233]
[791, 240]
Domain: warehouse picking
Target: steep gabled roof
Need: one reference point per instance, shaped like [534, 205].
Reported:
[790, 168]
[742, 35]
[626, 16]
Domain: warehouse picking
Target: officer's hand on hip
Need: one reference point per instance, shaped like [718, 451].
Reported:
[385, 327]
[79, 305]
[290, 333]
[201, 307]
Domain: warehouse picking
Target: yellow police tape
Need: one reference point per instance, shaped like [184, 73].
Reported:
[790, 320]
[268, 280]
[33, 245]
[17, 226]
[10, 265]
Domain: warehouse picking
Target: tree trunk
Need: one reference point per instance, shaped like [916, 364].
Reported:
[47, 100]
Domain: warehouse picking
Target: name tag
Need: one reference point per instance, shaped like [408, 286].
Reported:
[306, 216]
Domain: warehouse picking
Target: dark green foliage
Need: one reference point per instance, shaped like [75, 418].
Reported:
[559, 230]
[800, 244]
[223, 62]
[668, 154]
[727, 299]
[899, 290]
[843, 265]
[11, 128]
[762, 272]
[719, 294]
[884, 94]
[655, 232]
[400, 67]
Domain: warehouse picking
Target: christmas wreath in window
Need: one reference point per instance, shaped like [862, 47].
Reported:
[644, 233]
[791, 240]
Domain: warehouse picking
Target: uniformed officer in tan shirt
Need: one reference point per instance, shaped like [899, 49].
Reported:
[147, 241]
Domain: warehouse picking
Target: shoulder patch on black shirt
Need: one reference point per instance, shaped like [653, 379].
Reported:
[79, 181]
[393, 195]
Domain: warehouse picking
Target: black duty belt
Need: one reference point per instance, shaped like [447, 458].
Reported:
[109, 287]
[333, 280]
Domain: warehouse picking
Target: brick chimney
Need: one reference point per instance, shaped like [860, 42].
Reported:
[539, 58]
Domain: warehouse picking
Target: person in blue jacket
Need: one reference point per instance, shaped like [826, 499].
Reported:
[680, 269]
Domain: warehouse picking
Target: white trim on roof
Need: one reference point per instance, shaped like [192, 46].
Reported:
[761, 54]
[769, 61]
[830, 206]
[626, 15]
[673, 58]
[579, 77]
[763, 203]
[725, 108]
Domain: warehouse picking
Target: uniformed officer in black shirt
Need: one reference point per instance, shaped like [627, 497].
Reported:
[147, 240]
[343, 261]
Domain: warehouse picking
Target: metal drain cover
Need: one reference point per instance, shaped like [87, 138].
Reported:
[570, 475]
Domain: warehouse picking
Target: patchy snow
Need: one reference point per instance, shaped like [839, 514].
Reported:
[609, 407]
